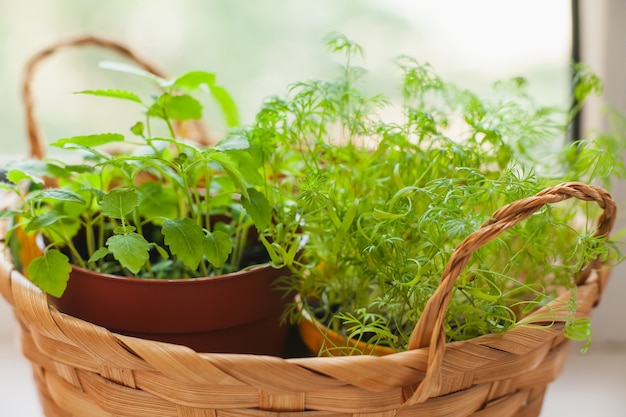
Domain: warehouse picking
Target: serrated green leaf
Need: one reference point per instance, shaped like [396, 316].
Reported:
[131, 250]
[137, 129]
[258, 207]
[183, 107]
[62, 195]
[233, 142]
[16, 176]
[50, 272]
[98, 254]
[185, 239]
[42, 221]
[88, 141]
[121, 94]
[217, 248]
[124, 230]
[227, 104]
[119, 203]
[194, 80]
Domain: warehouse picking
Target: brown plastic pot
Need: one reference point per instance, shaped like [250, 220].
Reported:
[320, 340]
[232, 313]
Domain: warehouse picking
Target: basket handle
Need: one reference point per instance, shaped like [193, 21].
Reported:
[35, 138]
[429, 331]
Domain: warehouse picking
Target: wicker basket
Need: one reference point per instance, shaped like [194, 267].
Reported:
[84, 370]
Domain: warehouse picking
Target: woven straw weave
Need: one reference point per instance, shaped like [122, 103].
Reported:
[84, 370]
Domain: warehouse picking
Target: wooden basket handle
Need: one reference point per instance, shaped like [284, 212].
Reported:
[35, 138]
[429, 331]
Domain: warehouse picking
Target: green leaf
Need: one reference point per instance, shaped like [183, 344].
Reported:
[227, 104]
[258, 207]
[183, 107]
[185, 239]
[15, 176]
[62, 195]
[50, 272]
[131, 250]
[137, 129]
[232, 143]
[217, 248]
[119, 202]
[98, 254]
[88, 141]
[162, 252]
[194, 80]
[124, 230]
[43, 220]
[7, 214]
[121, 94]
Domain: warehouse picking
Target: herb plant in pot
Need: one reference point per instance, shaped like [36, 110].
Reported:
[385, 204]
[158, 239]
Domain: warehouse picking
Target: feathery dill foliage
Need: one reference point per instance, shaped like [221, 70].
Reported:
[384, 204]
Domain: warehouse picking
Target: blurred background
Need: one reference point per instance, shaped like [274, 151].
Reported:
[256, 48]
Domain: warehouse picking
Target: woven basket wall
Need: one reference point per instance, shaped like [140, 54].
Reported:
[84, 370]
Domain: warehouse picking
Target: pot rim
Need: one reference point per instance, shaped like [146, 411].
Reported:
[169, 281]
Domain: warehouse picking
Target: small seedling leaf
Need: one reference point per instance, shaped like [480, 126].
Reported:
[131, 250]
[62, 195]
[15, 176]
[137, 129]
[124, 230]
[99, 254]
[162, 252]
[185, 240]
[217, 248]
[258, 207]
[42, 221]
[50, 272]
[119, 203]
[183, 107]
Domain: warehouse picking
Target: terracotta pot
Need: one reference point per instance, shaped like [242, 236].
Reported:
[323, 341]
[233, 313]
[238, 312]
